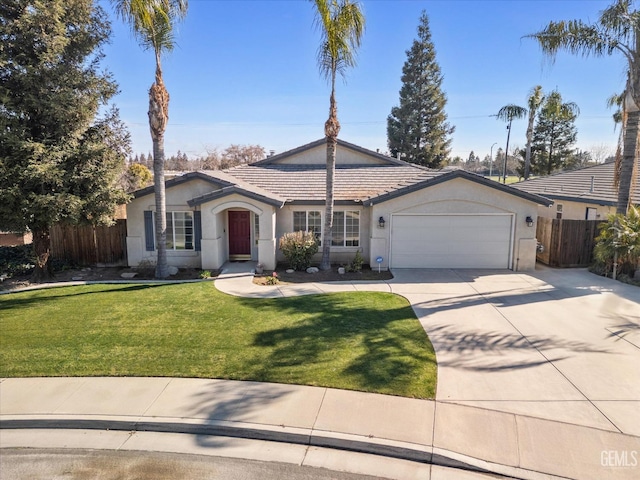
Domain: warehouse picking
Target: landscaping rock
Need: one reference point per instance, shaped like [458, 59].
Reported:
[173, 270]
[341, 270]
[313, 270]
[289, 270]
[128, 274]
[75, 279]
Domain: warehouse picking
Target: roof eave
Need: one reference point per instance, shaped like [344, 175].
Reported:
[173, 182]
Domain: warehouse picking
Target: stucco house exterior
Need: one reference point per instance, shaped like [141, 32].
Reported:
[584, 194]
[398, 215]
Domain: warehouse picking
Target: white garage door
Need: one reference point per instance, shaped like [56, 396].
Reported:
[450, 241]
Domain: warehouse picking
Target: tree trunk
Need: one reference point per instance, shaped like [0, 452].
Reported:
[158, 117]
[627, 167]
[42, 250]
[331, 130]
[550, 153]
[527, 158]
[162, 268]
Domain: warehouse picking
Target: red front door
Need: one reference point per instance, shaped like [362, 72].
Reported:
[239, 235]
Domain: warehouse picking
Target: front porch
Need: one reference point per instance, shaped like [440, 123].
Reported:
[237, 230]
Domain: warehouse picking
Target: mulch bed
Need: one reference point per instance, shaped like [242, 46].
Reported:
[114, 273]
[322, 276]
[93, 274]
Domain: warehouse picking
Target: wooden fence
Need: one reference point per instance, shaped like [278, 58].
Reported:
[567, 243]
[88, 245]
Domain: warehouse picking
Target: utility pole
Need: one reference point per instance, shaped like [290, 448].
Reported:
[506, 153]
[491, 159]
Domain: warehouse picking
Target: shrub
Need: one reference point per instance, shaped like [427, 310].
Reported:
[298, 248]
[619, 241]
[204, 274]
[16, 260]
[356, 265]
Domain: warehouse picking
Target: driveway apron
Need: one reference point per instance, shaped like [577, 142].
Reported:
[559, 345]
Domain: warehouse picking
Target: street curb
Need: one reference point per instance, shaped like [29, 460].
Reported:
[291, 435]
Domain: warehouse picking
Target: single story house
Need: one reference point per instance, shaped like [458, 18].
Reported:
[398, 215]
[584, 194]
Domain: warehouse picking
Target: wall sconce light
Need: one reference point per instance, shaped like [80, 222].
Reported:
[529, 221]
[381, 222]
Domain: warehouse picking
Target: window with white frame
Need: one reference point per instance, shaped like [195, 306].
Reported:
[180, 231]
[346, 229]
[308, 221]
[346, 226]
[256, 227]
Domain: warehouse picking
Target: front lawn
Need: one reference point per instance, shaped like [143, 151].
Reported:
[358, 340]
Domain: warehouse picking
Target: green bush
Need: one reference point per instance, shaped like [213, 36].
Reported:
[298, 248]
[16, 260]
[619, 242]
[356, 265]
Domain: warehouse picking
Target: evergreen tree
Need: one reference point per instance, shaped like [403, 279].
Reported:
[417, 129]
[59, 162]
[554, 135]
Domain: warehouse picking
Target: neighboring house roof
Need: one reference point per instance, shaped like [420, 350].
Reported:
[293, 178]
[589, 185]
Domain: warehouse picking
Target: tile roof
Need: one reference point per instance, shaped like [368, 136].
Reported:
[306, 182]
[352, 182]
[590, 185]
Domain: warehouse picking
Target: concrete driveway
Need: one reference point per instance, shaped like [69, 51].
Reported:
[562, 345]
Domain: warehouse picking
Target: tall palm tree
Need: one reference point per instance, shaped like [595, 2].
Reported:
[153, 22]
[341, 25]
[534, 101]
[616, 31]
[508, 113]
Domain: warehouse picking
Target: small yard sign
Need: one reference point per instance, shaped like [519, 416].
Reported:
[379, 261]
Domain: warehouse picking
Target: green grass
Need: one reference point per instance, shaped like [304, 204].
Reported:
[359, 340]
[510, 179]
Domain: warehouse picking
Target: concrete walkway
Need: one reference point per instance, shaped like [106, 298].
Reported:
[539, 377]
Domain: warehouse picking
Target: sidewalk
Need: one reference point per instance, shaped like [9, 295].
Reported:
[443, 432]
[419, 430]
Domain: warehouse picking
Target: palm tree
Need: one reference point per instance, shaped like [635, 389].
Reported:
[617, 30]
[534, 101]
[617, 100]
[153, 21]
[341, 24]
[508, 113]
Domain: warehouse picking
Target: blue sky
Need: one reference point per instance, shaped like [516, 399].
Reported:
[245, 72]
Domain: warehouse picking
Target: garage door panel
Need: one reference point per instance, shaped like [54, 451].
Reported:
[451, 241]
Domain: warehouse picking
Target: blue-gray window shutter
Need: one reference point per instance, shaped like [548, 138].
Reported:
[197, 229]
[148, 231]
